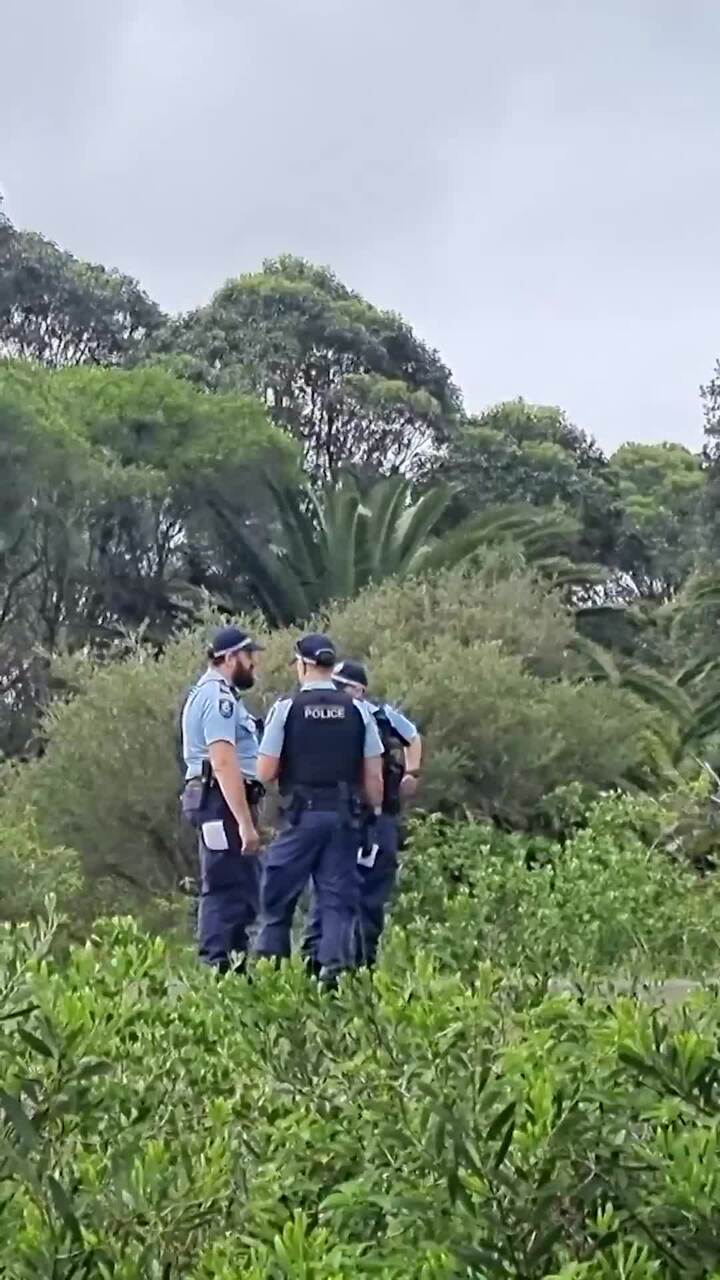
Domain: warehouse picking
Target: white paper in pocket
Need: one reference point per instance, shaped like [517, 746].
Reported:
[214, 838]
[368, 859]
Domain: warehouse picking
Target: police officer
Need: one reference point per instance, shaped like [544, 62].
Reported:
[220, 744]
[324, 749]
[378, 859]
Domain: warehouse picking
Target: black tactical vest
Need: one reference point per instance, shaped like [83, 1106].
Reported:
[324, 741]
[393, 761]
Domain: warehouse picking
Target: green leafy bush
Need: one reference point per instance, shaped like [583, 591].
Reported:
[156, 1122]
[498, 605]
[605, 901]
[483, 662]
[108, 783]
[31, 871]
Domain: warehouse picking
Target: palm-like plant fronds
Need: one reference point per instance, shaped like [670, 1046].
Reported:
[329, 544]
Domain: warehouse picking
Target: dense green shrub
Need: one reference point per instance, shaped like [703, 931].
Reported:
[483, 662]
[605, 901]
[31, 871]
[495, 606]
[108, 783]
[156, 1123]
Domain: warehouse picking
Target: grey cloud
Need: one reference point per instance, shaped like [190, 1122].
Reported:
[534, 185]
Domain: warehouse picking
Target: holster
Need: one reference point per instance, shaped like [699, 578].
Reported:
[254, 791]
[355, 808]
[342, 799]
[291, 806]
[208, 781]
[195, 796]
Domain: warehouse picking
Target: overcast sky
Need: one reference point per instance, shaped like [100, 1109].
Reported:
[533, 184]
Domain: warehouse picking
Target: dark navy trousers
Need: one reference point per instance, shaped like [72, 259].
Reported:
[229, 898]
[376, 884]
[322, 846]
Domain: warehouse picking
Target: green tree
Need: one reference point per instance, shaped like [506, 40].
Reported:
[520, 452]
[44, 473]
[636, 513]
[661, 490]
[352, 383]
[710, 513]
[710, 395]
[694, 619]
[107, 524]
[61, 311]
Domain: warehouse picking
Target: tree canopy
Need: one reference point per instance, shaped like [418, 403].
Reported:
[660, 487]
[61, 311]
[352, 383]
[109, 484]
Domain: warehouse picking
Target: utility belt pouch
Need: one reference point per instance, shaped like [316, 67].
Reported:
[291, 806]
[206, 777]
[196, 796]
[193, 801]
[254, 791]
[394, 775]
[357, 811]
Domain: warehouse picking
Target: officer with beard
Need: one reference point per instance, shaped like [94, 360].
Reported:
[220, 742]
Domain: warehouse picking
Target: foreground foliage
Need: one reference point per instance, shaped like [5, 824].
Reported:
[616, 898]
[455, 1116]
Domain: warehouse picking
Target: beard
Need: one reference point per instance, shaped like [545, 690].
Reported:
[243, 679]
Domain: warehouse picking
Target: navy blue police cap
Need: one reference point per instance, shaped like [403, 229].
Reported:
[316, 648]
[232, 640]
[349, 672]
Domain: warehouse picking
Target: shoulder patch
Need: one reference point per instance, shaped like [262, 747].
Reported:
[226, 707]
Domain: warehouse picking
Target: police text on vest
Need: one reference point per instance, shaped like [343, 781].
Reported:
[324, 713]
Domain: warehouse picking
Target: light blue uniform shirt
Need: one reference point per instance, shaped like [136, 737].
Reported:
[214, 713]
[274, 735]
[400, 723]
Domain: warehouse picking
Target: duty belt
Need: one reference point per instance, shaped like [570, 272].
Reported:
[254, 790]
[337, 798]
